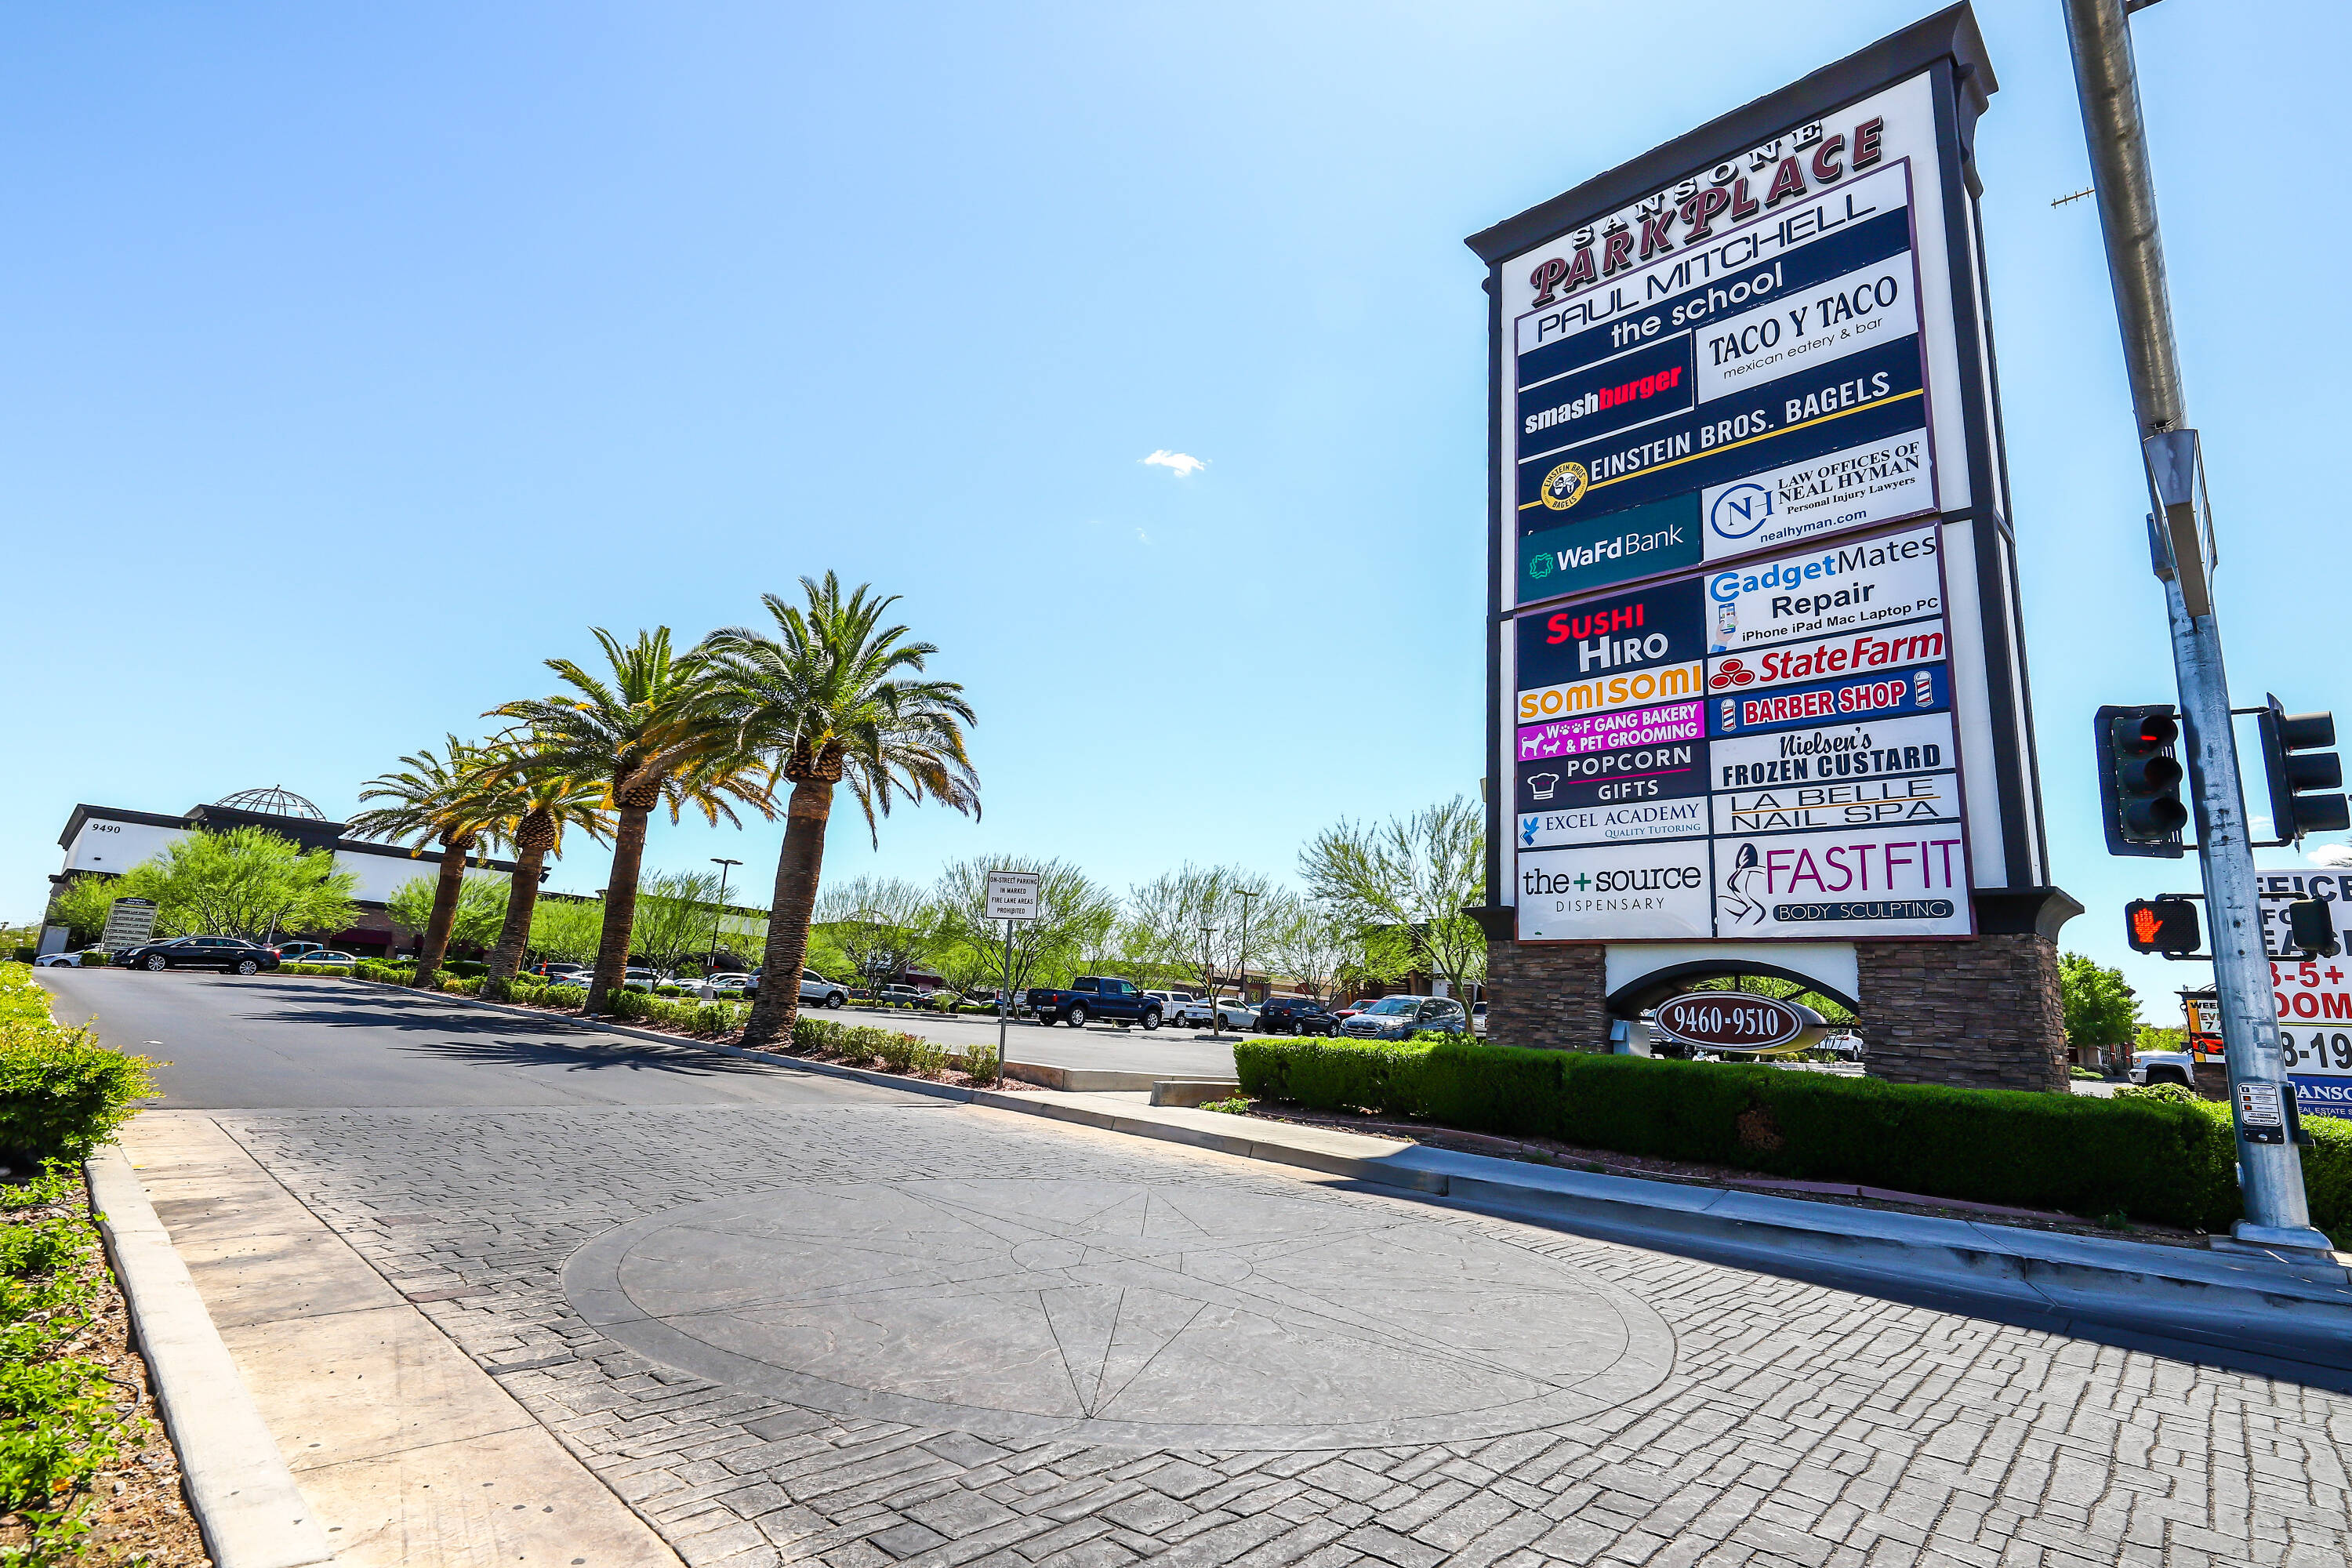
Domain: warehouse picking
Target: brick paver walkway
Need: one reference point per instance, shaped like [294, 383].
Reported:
[1794, 1424]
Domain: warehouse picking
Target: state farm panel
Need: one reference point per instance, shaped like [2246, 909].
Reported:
[1852, 882]
[1623, 892]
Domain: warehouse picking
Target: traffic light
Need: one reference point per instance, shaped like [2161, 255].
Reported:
[2167, 926]
[2295, 768]
[2139, 782]
[2311, 926]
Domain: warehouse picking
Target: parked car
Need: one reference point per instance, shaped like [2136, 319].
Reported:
[634, 978]
[1477, 1017]
[2163, 1067]
[1396, 1018]
[57, 960]
[1361, 1004]
[1295, 1016]
[726, 982]
[1103, 996]
[1233, 1013]
[324, 957]
[899, 997]
[561, 973]
[292, 951]
[231, 953]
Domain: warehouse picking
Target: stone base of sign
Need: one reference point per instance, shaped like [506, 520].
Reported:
[1552, 997]
[1979, 1014]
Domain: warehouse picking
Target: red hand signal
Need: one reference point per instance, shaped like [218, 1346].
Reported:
[2145, 925]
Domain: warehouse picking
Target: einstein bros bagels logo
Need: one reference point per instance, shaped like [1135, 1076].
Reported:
[1565, 486]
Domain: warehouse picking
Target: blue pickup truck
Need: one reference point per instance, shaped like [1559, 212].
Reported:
[1093, 996]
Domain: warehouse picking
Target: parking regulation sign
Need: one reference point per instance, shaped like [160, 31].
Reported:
[1012, 895]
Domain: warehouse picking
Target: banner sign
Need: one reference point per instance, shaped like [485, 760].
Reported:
[129, 922]
[2314, 995]
[1814, 807]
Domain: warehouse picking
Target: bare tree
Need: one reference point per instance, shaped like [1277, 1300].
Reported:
[1310, 945]
[883, 925]
[1165, 918]
[1413, 873]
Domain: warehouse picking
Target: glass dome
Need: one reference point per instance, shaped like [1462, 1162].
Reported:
[272, 801]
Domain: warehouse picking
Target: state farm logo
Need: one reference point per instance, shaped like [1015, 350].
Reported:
[1731, 672]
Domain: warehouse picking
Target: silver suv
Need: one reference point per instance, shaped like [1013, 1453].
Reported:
[1399, 1017]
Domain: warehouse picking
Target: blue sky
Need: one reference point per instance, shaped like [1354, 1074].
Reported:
[361, 358]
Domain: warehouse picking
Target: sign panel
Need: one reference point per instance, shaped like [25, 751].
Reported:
[1731, 1020]
[1762, 387]
[1012, 895]
[2314, 995]
[128, 923]
[1818, 777]
[1655, 891]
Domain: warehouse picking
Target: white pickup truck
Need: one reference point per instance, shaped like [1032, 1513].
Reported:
[1179, 1010]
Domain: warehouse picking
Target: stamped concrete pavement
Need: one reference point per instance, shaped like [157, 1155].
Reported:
[945, 1336]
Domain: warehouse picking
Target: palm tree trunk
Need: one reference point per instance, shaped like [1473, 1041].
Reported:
[797, 870]
[620, 906]
[445, 913]
[522, 898]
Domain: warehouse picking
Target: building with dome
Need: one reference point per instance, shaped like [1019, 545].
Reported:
[106, 841]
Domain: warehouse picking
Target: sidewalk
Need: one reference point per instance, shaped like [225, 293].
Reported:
[407, 1451]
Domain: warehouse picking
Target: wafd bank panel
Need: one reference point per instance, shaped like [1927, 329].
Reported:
[1765, 749]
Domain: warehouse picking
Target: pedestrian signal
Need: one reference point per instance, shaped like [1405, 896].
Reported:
[2311, 926]
[2139, 781]
[2167, 926]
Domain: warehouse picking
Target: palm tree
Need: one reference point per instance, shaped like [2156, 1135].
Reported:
[832, 698]
[444, 799]
[654, 731]
[540, 801]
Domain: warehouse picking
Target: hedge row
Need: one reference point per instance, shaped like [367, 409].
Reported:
[897, 1052]
[61, 1093]
[2165, 1161]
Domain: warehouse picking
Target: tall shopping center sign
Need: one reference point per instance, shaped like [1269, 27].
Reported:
[1758, 688]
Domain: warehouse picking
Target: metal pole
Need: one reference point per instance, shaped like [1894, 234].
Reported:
[2270, 1174]
[1208, 979]
[720, 912]
[1240, 965]
[1004, 1003]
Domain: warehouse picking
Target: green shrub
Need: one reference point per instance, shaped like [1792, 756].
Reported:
[61, 1093]
[471, 967]
[564, 996]
[2163, 1159]
[665, 989]
[95, 958]
[59, 1420]
[390, 974]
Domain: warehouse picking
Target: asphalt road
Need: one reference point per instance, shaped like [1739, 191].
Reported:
[294, 1042]
[1175, 1053]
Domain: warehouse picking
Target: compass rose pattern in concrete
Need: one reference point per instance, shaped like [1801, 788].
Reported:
[1153, 1315]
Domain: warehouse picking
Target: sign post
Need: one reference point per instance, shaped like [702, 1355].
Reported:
[1013, 898]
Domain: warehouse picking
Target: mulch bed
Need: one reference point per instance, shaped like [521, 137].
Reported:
[1552, 1151]
[140, 1518]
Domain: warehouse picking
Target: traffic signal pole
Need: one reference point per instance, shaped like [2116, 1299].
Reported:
[2270, 1174]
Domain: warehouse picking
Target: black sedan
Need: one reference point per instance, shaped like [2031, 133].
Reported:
[1295, 1016]
[231, 953]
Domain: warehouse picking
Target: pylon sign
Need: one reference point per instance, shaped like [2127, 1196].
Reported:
[1756, 648]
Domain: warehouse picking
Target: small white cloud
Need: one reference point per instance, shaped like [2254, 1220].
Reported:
[1142, 537]
[1182, 464]
[2332, 854]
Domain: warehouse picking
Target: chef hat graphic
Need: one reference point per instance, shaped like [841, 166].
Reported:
[1542, 784]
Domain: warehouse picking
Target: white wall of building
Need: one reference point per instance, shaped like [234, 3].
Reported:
[116, 847]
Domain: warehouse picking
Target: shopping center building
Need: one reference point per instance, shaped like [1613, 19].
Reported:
[106, 841]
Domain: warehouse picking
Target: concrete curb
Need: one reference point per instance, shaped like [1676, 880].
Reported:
[250, 1512]
[2249, 1303]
